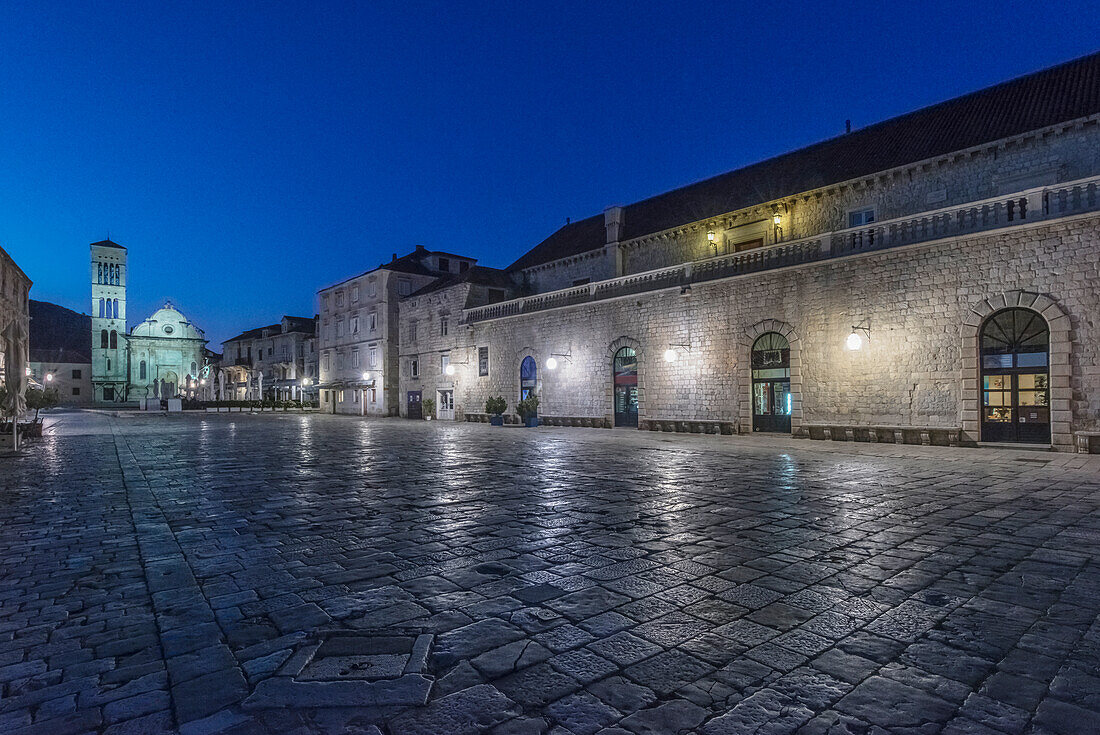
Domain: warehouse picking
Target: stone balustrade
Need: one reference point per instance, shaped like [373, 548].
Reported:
[1025, 207]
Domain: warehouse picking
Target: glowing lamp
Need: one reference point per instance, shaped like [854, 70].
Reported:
[366, 376]
[49, 377]
[776, 218]
[710, 235]
[670, 355]
[450, 370]
[854, 341]
[552, 363]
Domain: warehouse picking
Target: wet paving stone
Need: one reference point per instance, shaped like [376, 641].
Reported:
[244, 574]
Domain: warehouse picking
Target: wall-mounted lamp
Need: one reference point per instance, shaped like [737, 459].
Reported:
[710, 235]
[671, 354]
[450, 369]
[777, 219]
[855, 339]
[552, 361]
[49, 377]
[366, 376]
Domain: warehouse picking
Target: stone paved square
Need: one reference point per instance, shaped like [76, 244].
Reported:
[178, 574]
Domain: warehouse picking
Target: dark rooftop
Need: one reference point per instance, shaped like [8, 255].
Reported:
[478, 274]
[1065, 92]
[107, 244]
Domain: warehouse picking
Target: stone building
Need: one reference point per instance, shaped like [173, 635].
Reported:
[358, 331]
[15, 289]
[930, 278]
[278, 361]
[162, 357]
[434, 341]
[66, 371]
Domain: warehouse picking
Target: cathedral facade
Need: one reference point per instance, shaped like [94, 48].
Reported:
[162, 357]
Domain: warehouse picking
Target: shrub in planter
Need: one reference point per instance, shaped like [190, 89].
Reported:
[528, 409]
[496, 407]
[428, 406]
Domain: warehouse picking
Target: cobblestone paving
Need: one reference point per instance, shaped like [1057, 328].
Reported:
[161, 574]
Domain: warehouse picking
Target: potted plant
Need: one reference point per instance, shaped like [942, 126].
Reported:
[496, 407]
[428, 406]
[528, 409]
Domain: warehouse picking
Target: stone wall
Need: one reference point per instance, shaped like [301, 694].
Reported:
[911, 372]
[1009, 166]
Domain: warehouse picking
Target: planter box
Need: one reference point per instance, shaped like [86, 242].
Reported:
[496, 420]
[531, 422]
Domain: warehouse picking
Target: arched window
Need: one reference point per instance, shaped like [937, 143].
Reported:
[141, 370]
[528, 377]
[624, 375]
[118, 272]
[116, 308]
[102, 309]
[1015, 346]
[194, 368]
[99, 278]
[771, 383]
[114, 340]
[103, 339]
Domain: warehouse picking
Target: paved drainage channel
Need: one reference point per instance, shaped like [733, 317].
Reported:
[351, 668]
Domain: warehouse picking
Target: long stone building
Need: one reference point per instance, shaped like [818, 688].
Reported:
[931, 278]
[15, 289]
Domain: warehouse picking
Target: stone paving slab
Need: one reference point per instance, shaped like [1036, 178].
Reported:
[166, 574]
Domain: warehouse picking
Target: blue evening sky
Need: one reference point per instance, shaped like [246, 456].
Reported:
[249, 153]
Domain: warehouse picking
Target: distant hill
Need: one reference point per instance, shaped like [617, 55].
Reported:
[55, 329]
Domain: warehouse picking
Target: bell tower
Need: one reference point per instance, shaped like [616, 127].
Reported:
[109, 349]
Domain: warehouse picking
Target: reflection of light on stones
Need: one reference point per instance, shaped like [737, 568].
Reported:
[304, 450]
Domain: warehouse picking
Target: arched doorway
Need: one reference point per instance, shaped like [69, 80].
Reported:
[771, 383]
[168, 385]
[528, 377]
[1015, 376]
[624, 373]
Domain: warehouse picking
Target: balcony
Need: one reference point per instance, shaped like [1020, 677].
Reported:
[1025, 207]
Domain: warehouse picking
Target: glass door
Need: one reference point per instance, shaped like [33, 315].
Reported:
[1015, 378]
[446, 405]
[771, 383]
[624, 370]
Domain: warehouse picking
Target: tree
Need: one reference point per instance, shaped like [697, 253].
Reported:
[42, 399]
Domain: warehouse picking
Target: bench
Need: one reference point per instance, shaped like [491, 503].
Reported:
[688, 426]
[1087, 442]
[950, 436]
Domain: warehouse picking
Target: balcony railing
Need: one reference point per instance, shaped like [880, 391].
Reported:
[1031, 205]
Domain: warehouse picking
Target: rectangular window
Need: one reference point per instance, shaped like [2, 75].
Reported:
[340, 396]
[324, 362]
[372, 288]
[373, 321]
[861, 217]
[373, 395]
[482, 361]
[355, 358]
[463, 266]
[76, 375]
[414, 368]
[340, 328]
[76, 391]
[444, 361]
[412, 333]
[355, 325]
[374, 357]
[404, 287]
[444, 326]
[324, 303]
[339, 298]
[445, 264]
[355, 293]
[355, 396]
